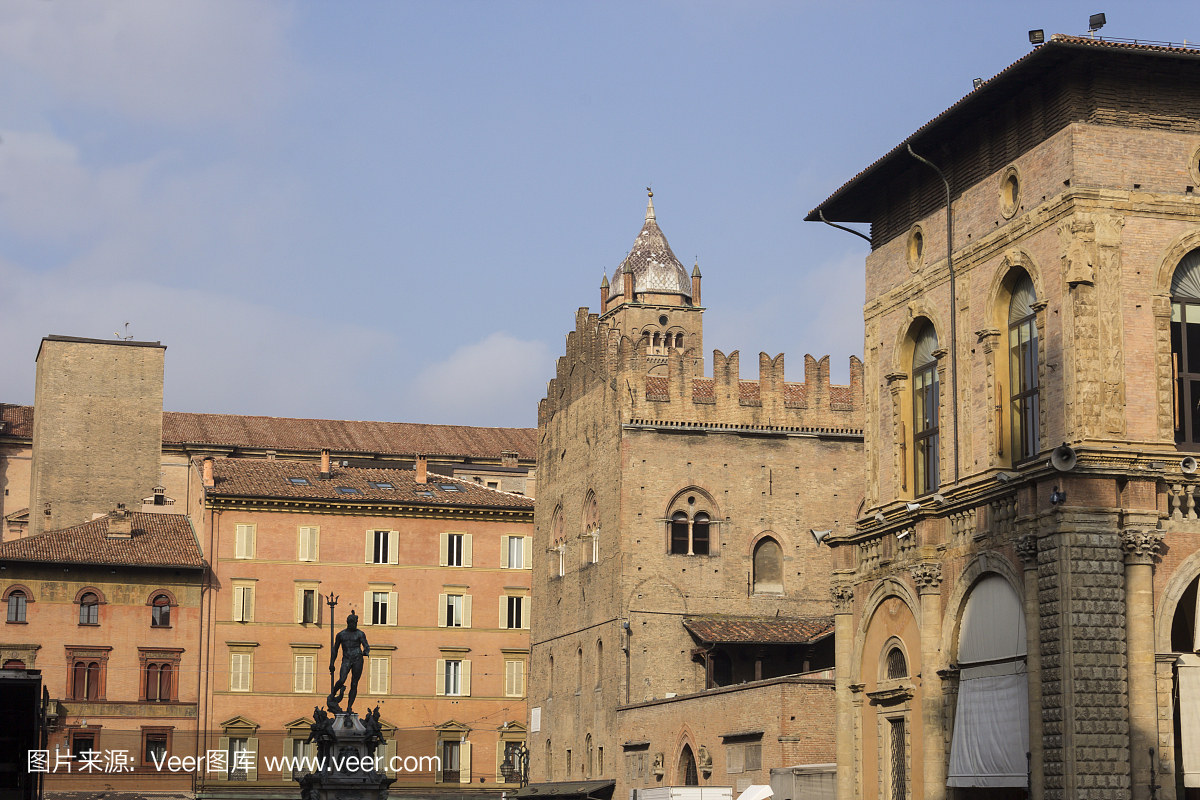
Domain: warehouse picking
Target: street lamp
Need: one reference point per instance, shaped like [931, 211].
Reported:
[516, 764]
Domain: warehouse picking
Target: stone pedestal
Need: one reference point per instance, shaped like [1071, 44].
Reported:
[350, 769]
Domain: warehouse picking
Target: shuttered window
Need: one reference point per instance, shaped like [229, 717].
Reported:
[309, 542]
[244, 544]
[305, 668]
[514, 678]
[380, 675]
[240, 665]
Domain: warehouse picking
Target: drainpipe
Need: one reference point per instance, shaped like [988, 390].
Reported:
[953, 303]
[821, 214]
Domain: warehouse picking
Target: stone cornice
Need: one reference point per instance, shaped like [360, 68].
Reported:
[399, 510]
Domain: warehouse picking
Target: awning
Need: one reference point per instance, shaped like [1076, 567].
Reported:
[600, 790]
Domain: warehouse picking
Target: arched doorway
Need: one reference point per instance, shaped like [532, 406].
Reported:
[688, 776]
[1186, 712]
[991, 720]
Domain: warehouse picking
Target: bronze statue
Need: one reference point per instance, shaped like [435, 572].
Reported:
[354, 647]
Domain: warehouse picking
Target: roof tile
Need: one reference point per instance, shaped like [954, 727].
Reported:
[758, 630]
[158, 540]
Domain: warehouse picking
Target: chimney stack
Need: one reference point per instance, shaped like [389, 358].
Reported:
[209, 481]
[627, 276]
[325, 465]
[422, 469]
[604, 293]
[696, 284]
[120, 523]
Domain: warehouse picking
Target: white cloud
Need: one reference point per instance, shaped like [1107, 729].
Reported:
[497, 381]
[177, 62]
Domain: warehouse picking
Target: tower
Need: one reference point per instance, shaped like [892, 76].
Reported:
[681, 593]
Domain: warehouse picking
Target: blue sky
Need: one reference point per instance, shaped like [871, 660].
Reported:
[387, 210]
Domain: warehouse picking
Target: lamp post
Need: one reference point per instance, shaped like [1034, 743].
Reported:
[516, 764]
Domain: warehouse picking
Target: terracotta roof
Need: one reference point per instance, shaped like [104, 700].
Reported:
[1046, 56]
[758, 630]
[18, 420]
[795, 393]
[158, 540]
[841, 394]
[702, 389]
[656, 388]
[341, 436]
[247, 477]
[748, 390]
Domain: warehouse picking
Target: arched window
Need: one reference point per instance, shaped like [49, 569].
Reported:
[89, 609]
[991, 723]
[158, 683]
[690, 527]
[587, 749]
[160, 616]
[1023, 369]
[1185, 350]
[16, 606]
[14, 663]
[925, 411]
[549, 761]
[768, 567]
[688, 776]
[897, 665]
[579, 671]
[679, 341]
[560, 545]
[591, 529]
[551, 671]
[599, 661]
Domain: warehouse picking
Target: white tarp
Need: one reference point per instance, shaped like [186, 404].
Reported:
[991, 727]
[991, 723]
[1188, 667]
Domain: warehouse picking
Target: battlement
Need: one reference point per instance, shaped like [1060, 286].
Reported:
[671, 387]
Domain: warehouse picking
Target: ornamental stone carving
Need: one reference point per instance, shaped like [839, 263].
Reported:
[1141, 546]
[1027, 549]
[927, 577]
[842, 597]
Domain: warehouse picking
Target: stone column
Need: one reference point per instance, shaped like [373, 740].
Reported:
[1027, 549]
[1140, 545]
[928, 579]
[843, 642]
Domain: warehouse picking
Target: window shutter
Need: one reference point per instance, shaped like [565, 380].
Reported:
[299, 605]
[238, 603]
[439, 679]
[370, 547]
[304, 674]
[374, 674]
[464, 760]
[527, 552]
[302, 535]
[393, 547]
[443, 549]
[390, 752]
[223, 775]
[509, 685]
[364, 617]
[391, 615]
[503, 611]
[466, 550]
[240, 536]
[314, 543]
[466, 611]
[437, 761]
[526, 612]
[308, 543]
[466, 678]
[239, 672]
[504, 553]
[441, 611]
[249, 594]
[252, 749]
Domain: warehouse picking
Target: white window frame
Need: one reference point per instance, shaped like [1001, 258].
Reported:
[453, 676]
[244, 541]
[367, 617]
[506, 601]
[524, 547]
[309, 543]
[378, 539]
[243, 601]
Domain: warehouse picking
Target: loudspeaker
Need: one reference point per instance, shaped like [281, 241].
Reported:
[1188, 465]
[1063, 458]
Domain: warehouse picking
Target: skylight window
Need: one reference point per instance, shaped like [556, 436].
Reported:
[299, 481]
[380, 485]
[348, 490]
[450, 487]
[424, 493]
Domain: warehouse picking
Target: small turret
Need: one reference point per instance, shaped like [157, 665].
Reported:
[696, 284]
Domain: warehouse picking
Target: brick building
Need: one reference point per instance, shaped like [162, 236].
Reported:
[993, 600]
[682, 623]
[437, 570]
[175, 610]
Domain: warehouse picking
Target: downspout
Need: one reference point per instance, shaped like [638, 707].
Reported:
[953, 303]
[821, 214]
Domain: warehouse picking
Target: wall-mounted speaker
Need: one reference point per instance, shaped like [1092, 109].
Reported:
[1188, 465]
[1063, 458]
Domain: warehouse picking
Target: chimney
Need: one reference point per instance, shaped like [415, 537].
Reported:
[120, 523]
[324, 465]
[696, 284]
[508, 458]
[422, 469]
[209, 481]
[627, 276]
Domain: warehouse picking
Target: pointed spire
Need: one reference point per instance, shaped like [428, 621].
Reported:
[696, 269]
[604, 283]
[650, 205]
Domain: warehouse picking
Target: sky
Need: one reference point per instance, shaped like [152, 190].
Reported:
[391, 211]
